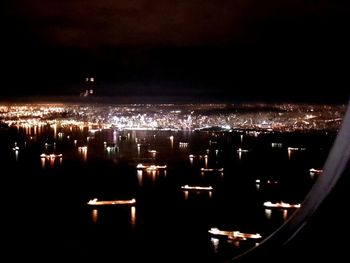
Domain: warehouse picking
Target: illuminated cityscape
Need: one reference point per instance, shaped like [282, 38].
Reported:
[224, 117]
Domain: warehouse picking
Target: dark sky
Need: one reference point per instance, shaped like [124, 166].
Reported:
[237, 49]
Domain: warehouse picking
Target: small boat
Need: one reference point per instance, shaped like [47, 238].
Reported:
[296, 149]
[207, 169]
[240, 150]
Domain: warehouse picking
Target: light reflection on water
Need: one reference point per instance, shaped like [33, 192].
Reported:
[257, 186]
[231, 191]
[16, 155]
[268, 213]
[171, 141]
[43, 161]
[215, 242]
[139, 177]
[52, 162]
[154, 174]
[94, 215]
[133, 216]
[115, 136]
[191, 160]
[285, 214]
[289, 153]
[186, 194]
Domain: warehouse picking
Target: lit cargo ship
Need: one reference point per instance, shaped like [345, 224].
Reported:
[233, 234]
[111, 202]
[282, 205]
[196, 188]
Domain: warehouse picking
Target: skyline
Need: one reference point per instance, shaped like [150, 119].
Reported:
[213, 117]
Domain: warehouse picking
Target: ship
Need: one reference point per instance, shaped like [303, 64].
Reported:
[296, 149]
[236, 235]
[51, 156]
[196, 188]
[282, 205]
[152, 167]
[240, 150]
[314, 171]
[95, 202]
[212, 169]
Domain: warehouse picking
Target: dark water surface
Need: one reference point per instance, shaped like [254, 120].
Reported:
[46, 211]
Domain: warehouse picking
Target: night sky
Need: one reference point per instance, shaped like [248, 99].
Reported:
[229, 49]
